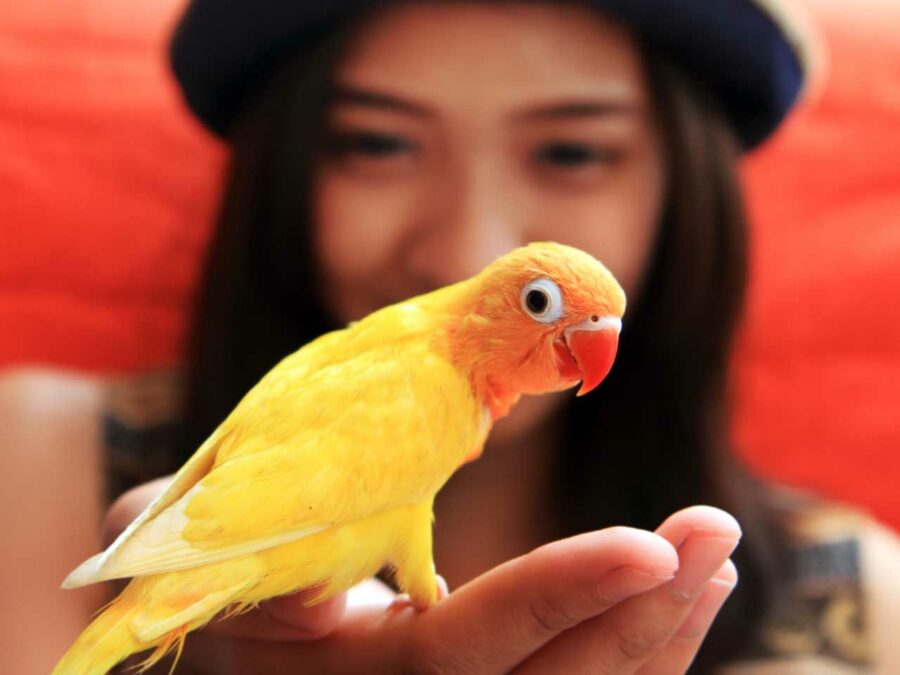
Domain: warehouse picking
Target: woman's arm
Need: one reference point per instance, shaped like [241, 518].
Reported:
[881, 582]
[50, 508]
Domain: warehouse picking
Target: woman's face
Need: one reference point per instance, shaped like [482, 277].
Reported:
[463, 130]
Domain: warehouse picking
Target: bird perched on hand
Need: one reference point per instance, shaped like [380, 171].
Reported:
[327, 470]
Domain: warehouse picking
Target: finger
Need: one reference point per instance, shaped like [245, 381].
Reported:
[129, 506]
[366, 640]
[515, 605]
[676, 657]
[519, 606]
[257, 643]
[286, 618]
[623, 639]
[698, 520]
[523, 604]
[443, 588]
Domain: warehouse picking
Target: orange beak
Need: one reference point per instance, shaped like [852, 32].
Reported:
[589, 351]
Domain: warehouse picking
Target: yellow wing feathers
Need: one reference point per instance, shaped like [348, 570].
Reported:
[317, 443]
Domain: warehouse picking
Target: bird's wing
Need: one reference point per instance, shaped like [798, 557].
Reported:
[363, 435]
[294, 368]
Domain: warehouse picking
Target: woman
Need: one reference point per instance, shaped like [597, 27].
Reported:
[404, 148]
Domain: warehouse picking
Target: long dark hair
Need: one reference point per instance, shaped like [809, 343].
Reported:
[651, 440]
[655, 439]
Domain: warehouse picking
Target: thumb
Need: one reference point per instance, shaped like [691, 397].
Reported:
[129, 506]
[319, 620]
[287, 618]
[311, 621]
[284, 618]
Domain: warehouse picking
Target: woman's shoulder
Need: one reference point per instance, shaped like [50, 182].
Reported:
[842, 597]
[881, 583]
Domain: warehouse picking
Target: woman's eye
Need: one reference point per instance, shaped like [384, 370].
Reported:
[370, 144]
[573, 155]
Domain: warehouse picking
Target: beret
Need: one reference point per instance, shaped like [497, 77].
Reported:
[752, 54]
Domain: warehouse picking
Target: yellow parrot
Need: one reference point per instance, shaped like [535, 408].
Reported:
[326, 471]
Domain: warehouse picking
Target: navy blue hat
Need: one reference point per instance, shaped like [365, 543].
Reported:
[749, 53]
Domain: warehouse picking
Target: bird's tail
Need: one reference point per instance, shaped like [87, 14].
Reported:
[109, 639]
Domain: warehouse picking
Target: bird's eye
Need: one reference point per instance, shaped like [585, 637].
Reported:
[542, 300]
[537, 301]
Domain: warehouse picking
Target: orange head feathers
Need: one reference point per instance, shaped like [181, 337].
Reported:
[538, 319]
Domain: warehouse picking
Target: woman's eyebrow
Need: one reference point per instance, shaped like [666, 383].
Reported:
[578, 108]
[343, 94]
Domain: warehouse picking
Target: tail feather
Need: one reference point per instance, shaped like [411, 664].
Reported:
[144, 617]
[105, 642]
[174, 641]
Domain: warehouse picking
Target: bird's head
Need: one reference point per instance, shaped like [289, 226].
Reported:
[539, 319]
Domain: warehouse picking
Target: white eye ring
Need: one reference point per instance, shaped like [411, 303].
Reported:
[532, 294]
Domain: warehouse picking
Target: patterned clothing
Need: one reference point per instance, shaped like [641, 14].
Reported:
[819, 626]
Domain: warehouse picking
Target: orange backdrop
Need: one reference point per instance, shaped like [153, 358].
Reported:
[818, 372]
[106, 186]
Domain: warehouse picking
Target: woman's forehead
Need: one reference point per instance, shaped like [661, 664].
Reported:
[528, 55]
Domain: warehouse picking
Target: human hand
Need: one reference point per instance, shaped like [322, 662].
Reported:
[617, 600]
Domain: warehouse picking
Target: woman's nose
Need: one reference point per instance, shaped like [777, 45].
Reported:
[463, 226]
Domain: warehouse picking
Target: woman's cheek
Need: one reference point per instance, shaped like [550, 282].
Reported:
[358, 230]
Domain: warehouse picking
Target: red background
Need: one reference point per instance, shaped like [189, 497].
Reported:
[818, 372]
[106, 186]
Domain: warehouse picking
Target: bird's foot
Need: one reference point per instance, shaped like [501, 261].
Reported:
[403, 600]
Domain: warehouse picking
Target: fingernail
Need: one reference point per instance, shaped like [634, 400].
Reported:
[700, 556]
[443, 588]
[624, 582]
[708, 605]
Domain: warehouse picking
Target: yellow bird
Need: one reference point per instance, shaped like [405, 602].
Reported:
[326, 471]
